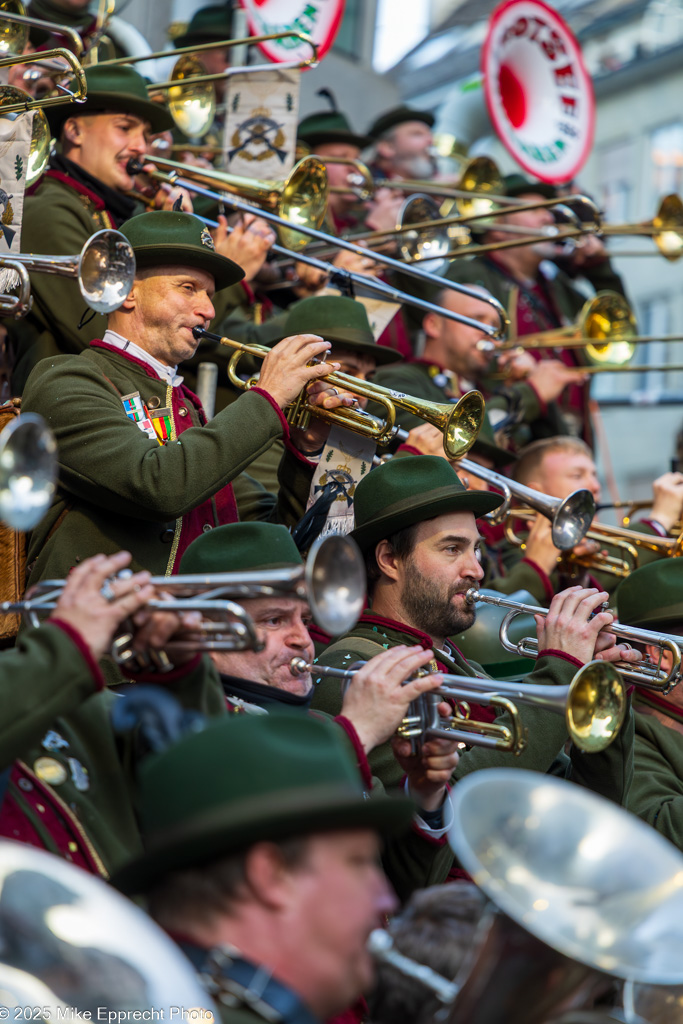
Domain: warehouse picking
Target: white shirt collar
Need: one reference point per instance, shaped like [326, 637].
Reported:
[166, 373]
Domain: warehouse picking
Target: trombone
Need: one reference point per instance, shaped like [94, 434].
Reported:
[459, 422]
[14, 42]
[188, 177]
[571, 516]
[593, 704]
[653, 676]
[665, 229]
[104, 268]
[76, 94]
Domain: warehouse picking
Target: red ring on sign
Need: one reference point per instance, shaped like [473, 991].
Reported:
[270, 49]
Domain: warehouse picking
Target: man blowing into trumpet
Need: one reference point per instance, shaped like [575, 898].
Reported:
[416, 525]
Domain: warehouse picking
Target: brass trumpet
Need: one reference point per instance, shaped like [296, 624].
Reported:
[593, 704]
[652, 676]
[459, 422]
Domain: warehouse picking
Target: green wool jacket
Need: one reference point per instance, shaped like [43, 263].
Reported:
[656, 795]
[72, 789]
[608, 773]
[59, 217]
[119, 489]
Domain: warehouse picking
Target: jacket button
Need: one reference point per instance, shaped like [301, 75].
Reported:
[168, 535]
[182, 411]
[154, 402]
[207, 527]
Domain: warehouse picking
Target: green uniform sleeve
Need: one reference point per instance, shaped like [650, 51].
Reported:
[107, 460]
[656, 795]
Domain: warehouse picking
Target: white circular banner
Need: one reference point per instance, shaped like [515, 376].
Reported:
[538, 92]
[320, 19]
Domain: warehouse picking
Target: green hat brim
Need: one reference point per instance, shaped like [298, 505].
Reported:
[412, 509]
[317, 138]
[382, 354]
[273, 817]
[111, 102]
[225, 272]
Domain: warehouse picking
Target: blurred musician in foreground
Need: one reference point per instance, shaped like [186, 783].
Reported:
[375, 702]
[70, 790]
[557, 466]
[416, 525]
[137, 466]
[85, 189]
[402, 144]
[262, 860]
[525, 278]
[120, 38]
[652, 598]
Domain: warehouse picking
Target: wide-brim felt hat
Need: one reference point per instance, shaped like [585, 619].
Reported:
[398, 115]
[403, 492]
[207, 25]
[330, 126]
[652, 596]
[519, 185]
[241, 547]
[247, 779]
[117, 89]
[170, 238]
[339, 319]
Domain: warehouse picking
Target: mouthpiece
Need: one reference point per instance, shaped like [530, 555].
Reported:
[299, 667]
[134, 166]
[472, 595]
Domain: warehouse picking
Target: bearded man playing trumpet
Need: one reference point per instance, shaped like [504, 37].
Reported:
[416, 525]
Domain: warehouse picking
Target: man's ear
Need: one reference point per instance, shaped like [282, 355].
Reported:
[131, 300]
[385, 149]
[430, 325]
[268, 879]
[386, 560]
[72, 131]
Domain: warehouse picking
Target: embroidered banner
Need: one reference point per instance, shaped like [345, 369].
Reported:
[262, 111]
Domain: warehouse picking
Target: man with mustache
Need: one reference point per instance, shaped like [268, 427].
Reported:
[416, 524]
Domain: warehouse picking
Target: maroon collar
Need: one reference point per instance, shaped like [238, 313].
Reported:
[151, 372]
[66, 179]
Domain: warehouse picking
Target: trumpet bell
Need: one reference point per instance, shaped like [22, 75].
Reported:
[669, 226]
[335, 578]
[192, 105]
[573, 518]
[609, 320]
[106, 270]
[39, 151]
[28, 471]
[427, 243]
[596, 706]
[462, 424]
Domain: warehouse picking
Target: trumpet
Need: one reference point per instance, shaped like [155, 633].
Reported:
[332, 581]
[459, 422]
[593, 704]
[104, 268]
[188, 177]
[571, 516]
[653, 676]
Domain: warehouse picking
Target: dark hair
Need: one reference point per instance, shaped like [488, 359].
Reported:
[191, 896]
[436, 928]
[402, 544]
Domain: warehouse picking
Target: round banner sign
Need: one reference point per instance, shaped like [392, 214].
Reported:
[320, 19]
[538, 92]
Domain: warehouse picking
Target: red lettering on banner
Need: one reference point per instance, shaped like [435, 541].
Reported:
[568, 105]
[565, 76]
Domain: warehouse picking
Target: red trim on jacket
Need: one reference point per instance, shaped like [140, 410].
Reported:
[551, 652]
[363, 765]
[545, 579]
[85, 651]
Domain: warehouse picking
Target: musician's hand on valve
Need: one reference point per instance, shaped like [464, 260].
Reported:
[155, 629]
[430, 771]
[286, 370]
[325, 396]
[94, 603]
[376, 700]
[247, 244]
[667, 506]
[570, 625]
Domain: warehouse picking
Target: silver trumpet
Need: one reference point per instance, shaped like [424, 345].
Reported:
[571, 516]
[651, 675]
[593, 704]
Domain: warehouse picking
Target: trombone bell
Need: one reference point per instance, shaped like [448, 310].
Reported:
[191, 104]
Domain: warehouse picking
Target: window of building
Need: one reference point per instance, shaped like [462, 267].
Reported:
[616, 162]
[348, 41]
[666, 160]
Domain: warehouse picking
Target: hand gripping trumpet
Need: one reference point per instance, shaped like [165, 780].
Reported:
[593, 704]
[651, 675]
[459, 422]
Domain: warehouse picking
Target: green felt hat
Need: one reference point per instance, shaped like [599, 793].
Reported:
[208, 25]
[486, 445]
[337, 318]
[240, 547]
[112, 90]
[168, 238]
[399, 115]
[329, 126]
[652, 596]
[411, 490]
[518, 185]
[247, 779]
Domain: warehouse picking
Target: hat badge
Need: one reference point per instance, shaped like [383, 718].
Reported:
[206, 239]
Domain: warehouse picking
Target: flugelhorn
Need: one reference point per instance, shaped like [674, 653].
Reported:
[460, 422]
[104, 268]
[593, 705]
[188, 177]
[571, 516]
[652, 676]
